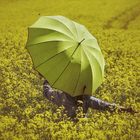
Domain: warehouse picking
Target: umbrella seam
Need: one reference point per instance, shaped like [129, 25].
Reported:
[66, 65]
[90, 67]
[96, 61]
[77, 81]
[62, 24]
[48, 41]
[76, 30]
[52, 57]
[45, 28]
[78, 78]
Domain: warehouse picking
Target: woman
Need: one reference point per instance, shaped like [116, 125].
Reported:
[71, 104]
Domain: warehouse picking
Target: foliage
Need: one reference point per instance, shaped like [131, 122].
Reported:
[26, 114]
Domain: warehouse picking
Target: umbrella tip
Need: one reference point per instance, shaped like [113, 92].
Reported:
[81, 41]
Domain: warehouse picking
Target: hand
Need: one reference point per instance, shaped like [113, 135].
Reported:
[129, 110]
[45, 82]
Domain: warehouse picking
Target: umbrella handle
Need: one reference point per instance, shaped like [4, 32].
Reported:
[84, 88]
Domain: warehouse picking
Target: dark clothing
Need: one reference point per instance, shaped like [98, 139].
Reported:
[72, 103]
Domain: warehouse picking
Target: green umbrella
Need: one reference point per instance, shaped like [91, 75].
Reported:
[66, 54]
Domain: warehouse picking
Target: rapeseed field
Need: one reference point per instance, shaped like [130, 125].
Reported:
[25, 114]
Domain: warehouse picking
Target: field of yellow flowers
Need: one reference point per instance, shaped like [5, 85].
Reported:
[26, 115]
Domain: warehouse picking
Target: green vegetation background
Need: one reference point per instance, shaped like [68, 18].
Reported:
[26, 114]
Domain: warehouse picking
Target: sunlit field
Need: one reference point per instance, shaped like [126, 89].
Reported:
[25, 114]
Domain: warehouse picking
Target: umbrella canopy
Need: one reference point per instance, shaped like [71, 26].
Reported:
[66, 54]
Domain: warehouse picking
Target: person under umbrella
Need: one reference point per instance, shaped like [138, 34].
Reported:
[71, 104]
[66, 54]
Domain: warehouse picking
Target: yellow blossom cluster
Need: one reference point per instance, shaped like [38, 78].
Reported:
[25, 114]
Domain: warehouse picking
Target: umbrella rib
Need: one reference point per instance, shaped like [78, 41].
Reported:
[79, 72]
[48, 41]
[64, 25]
[90, 67]
[96, 60]
[50, 58]
[97, 49]
[77, 81]
[52, 30]
[76, 29]
[68, 63]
